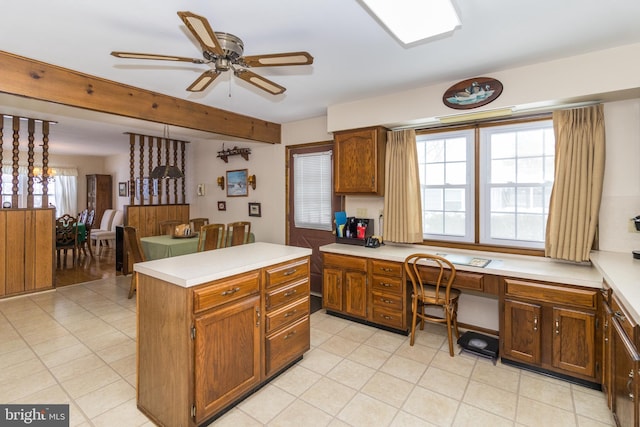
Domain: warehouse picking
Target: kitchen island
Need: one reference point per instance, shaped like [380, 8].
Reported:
[214, 326]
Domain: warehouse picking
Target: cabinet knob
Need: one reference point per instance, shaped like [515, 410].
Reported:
[620, 316]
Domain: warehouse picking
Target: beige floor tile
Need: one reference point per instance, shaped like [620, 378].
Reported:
[235, 418]
[117, 352]
[589, 422]
[419, 353]
[331, 324]
[106, 398]
[502, 377]
[357, 333]
[55, 344]
[459, 364]
[369, 356]
[405, 419]
[90, 381]
[386, 341]
[318, 337]
[79, 366]
[554, 394]
[15, 357]
[12, 343]
[468, 416]
[126, 414]
[31, 367]
[534, 413]
[431, 406]
[444, 382]
[592, 406]
[296, 380]
[491, 399]
[320, 361]
[108, 339]
[300, 413]
[339, 346]
[365, 411]
[351, 374]
[388, 389]
[125, 366]
[328, 395]
[65, 355]
[14, 389]
[266, 403]
[407, 369]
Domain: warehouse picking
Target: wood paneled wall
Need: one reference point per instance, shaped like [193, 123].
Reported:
[27, 250]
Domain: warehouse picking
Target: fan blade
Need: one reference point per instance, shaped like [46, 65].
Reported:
[132, 55]
[278, 59]
[259, 81]
[200, 28]
[203, 81]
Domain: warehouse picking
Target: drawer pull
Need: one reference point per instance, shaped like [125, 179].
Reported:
[289, 335]
[535, 323]
[290, 272]
[257, 316]
[386, 269]
[386, 285]
[629, 383]
[620, 316]
[557, 327]
[290, 313]
[386, 301]
[384, 316]
[291, 292]
[230, 291]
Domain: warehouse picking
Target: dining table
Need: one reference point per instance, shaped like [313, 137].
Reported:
[165, 246]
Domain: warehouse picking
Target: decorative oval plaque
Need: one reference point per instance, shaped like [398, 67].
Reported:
[472, 93]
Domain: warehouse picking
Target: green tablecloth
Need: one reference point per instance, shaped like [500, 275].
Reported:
[156, 247]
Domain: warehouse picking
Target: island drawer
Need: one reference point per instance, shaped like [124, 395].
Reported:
[226, 290]
[284, 295]
[388, 268]
[287, 314]
[286, 272]
[387, 284]
[285, 346]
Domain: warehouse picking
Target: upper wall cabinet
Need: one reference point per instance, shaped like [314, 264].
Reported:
[359, 161]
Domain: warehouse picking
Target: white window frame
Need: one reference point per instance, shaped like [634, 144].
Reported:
[313, 190]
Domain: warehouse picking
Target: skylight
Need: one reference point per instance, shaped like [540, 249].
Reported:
[414, 20]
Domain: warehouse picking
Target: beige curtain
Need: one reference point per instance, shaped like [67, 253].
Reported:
[402, 207]
[577, 188]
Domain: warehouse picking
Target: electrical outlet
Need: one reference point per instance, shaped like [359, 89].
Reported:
[361, 212]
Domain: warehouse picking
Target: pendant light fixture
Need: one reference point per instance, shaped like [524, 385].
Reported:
[166, 171]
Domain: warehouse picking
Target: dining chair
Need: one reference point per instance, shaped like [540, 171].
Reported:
[197, 223]
[168, 226]
[82, 216]
[88, 224]
[66, 237]
[431, 277]
[134, 249]
[238, 233]
[212, 236]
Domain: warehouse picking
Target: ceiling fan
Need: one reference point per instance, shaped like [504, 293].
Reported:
[224, 51]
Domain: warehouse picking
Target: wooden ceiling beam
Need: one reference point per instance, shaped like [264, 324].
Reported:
[38, 80]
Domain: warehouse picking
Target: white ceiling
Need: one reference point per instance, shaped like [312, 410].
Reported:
[354, 56]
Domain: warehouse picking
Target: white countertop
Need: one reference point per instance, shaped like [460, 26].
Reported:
[521, 266]
[202, 267]
[622, 273]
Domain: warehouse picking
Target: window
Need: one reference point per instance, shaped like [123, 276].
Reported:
[513, 169]
[313, 190]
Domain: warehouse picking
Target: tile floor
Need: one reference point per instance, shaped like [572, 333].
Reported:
[76, 345]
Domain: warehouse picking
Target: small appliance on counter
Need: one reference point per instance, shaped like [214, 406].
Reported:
[354, 231]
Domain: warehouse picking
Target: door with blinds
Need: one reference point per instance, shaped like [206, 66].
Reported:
[311, 202]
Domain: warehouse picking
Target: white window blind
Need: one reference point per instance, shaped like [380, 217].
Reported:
[312, 190]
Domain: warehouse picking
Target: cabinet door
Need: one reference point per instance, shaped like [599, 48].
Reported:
[624, 381]
[227, 355]
[359, 161]
[355, 296]
[574, 341]
[522, 331]
[332, 289]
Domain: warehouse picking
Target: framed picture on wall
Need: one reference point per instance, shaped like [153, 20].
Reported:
[237, 183]
[254, 209]
[222, 206]
[122, 189]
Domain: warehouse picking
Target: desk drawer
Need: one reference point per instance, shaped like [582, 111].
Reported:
[541, 292]
[345, 261]
[287, 314]
[387, 284]
[388, 268]
[225, 290]
[286, 294]
[387, 317]
[286, 272]
[387, 301]
[463, 279]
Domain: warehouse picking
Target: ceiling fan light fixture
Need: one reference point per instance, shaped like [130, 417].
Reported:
[414, 20]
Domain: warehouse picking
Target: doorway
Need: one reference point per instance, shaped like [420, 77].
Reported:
[308, 234]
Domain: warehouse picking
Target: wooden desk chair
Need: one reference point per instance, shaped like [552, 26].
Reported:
[197, 223]
[168, 227]
[431, 277]
[66, 237]
[212, 236]
[134, 249]
[239, 232]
